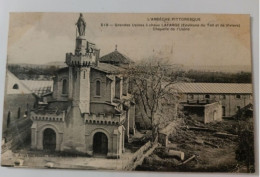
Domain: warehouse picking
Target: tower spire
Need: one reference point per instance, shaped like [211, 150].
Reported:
[116, 47]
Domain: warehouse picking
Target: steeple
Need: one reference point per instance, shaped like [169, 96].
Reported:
[79, 63]
[86, 53]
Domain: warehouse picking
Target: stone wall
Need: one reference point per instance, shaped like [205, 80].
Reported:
[37, 130]
[137, 158]
[75, 136]
[58, 84]
[213, 112]
[105, 87]
[102, 108]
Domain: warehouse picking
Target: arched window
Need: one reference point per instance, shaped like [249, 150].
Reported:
[97, 88]
[16, 86]
[64, 86]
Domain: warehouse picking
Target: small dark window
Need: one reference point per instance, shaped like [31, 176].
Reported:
[19, 113]
[223, 97]
[223, 111]
[207, 96]
[97, 88]
[64, 86]
[118, 88]
[8, 119]
[84, 75]
[16, 86]
[238, 96]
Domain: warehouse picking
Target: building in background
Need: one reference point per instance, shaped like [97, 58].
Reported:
[230, 96]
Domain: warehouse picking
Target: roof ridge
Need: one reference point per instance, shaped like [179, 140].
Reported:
[231, 88]
[116, 56]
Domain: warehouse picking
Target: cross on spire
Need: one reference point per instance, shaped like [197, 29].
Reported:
[116, 48]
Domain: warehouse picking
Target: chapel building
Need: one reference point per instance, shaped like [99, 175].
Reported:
[90, 111]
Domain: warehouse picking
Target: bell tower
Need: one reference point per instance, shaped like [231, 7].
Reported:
[79, 63]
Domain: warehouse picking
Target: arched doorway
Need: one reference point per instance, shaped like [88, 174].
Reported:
[215, 115]
[100, 144]
[49, 139]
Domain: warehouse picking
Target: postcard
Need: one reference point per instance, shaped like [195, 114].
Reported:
[129, 92]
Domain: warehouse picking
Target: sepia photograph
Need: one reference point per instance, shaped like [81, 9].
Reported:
[153, 92]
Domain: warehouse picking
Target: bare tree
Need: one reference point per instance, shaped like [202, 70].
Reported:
[152, 85]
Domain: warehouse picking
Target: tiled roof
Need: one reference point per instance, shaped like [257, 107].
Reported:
[108, 68]
[39, 87]
[56, 107]
[116, 57]
[231, 88]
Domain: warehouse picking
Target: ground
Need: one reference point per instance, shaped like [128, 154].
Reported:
[41, 159]
[66, 162]
[218, 156]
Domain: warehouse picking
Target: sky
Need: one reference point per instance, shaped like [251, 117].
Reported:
[40, 38]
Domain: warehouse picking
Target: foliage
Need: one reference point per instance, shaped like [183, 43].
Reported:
[219, 77]
[33, 72]
[151, 82]
[245, 149]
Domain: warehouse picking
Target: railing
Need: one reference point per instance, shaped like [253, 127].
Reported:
[105, 119]
[81, 60]
[200, 101]
[48, 117]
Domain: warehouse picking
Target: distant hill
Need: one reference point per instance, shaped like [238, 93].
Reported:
[228, 68]
[34, 71]
[57, 64]
[211, 74]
